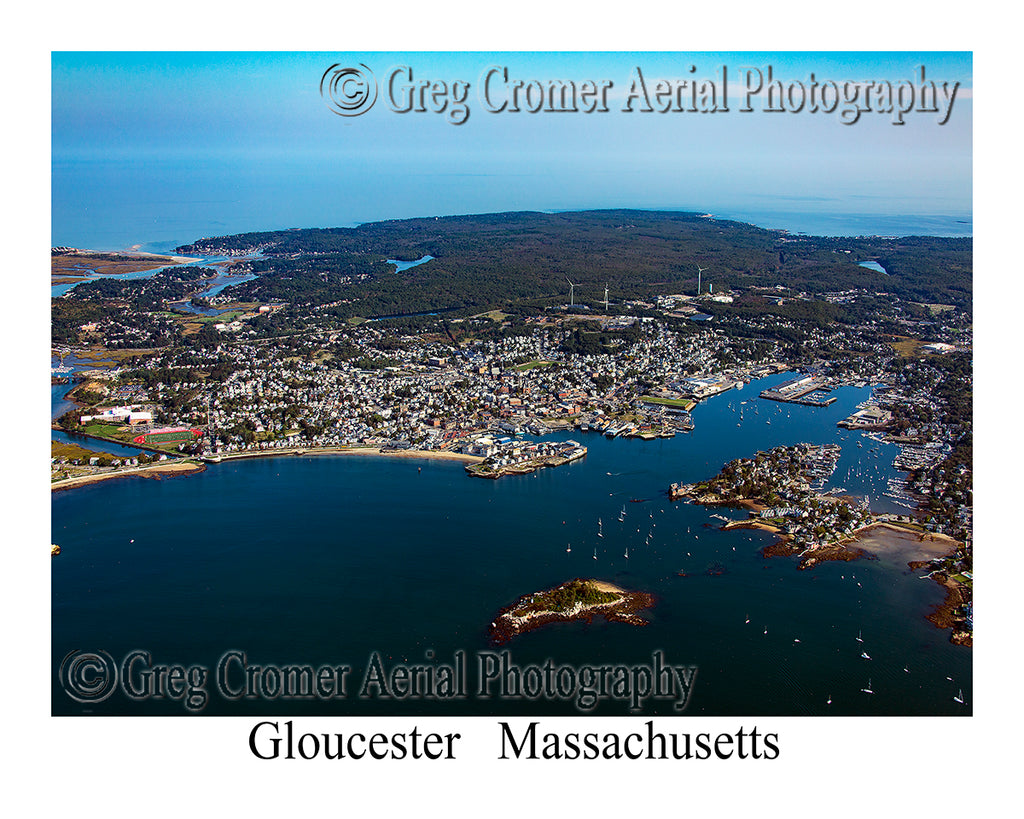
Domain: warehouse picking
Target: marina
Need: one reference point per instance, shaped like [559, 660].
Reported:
[801, 390]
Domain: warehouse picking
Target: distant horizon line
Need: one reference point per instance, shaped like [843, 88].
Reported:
[740, 215]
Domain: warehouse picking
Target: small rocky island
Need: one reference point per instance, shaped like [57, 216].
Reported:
[574, 600]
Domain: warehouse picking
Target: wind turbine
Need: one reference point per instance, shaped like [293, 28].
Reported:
[572, 290]
[699, 271]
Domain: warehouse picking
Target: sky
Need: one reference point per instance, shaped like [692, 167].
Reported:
[234, 140]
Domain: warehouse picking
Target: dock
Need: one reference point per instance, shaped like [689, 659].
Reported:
[800, 391]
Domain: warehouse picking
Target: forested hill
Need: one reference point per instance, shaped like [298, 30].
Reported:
[495, 260]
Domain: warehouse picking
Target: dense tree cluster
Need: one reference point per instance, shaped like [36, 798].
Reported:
[494, 260]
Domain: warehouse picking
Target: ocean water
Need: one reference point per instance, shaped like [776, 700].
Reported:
[327, 560]
[160, 204]
[840, 222]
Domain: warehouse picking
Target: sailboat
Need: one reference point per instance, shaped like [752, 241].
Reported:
[959, 697]
[859, 640]
[868, 689]
[595, 553]
[627, 553]
[568, 548]
[748, 619]
[829, 702]
[599, 532]
[865, 655]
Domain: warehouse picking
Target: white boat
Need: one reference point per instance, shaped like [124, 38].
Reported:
[627, 553]
[829, 701]
[959, 697]
[568, 547]
[868, 689]
[748, 619]
[599, 532]
[859, 640]
[595, 553]
[865, 655]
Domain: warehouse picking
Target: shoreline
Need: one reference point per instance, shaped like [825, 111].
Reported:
[945, 615]
[93, 262]
[181, 468]
[425, 454]
[869, 542]
[507, 624]
[859, 543]
[152, 472]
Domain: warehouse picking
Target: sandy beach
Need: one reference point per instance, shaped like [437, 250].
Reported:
[134, 251]
[605, 586]
[884, 539]
[432, 455]
[183, 468]
[103, 263]
[750, 524]
[411, 453]
[155, 471]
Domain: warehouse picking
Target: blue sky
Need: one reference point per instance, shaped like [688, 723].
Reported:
[251, 128]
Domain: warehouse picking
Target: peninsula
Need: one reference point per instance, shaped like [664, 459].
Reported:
[617, 323]
[780, 488]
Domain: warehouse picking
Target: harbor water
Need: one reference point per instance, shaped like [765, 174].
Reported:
[332, 560]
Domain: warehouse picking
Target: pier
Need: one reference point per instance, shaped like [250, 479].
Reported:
[800, 391]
